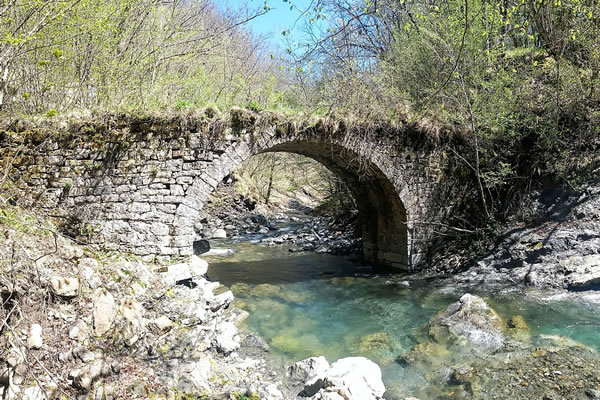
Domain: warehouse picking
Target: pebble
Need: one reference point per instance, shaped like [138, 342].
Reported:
[34, 340]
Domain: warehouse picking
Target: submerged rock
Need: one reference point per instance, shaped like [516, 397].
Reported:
[265, 290]
[470, 321]
[555, 373]
[373, 342]
[518, 328]
[466, 329]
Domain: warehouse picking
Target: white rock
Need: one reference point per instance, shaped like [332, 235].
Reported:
[175, 273]
[65, 287]
[270, 392]
[195, 377]
[310, 372]
[198, 266]
[79, 331]
[99, 393]
[327, 396]
[72, 252]
[220, 301]
[355, 378]
[83, 354]
[352, 378]
[88, 268]
[104, 312]
[89, 263]
[226, 338]
[219, 234]
[34, 339]
[34, 393]
[85, 377]
[583, 271]
[162, 324]
[13, 392]
[133, 313]
[74, 333]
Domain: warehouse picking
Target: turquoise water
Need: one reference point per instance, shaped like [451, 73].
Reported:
[310, 304]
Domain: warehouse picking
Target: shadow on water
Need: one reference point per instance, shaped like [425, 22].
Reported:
[292, 269]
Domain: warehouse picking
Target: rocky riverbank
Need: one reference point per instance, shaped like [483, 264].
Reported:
[78, 324]
[81, 325]
[231, 216]
[560, 248]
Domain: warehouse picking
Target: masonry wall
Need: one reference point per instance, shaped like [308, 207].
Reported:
[135, 185]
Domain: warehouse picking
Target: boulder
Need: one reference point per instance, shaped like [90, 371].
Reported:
[184, 272]
[195, 377]
[583, 271]
[133, 327]
[104, 311]
[176, 273]
[220, 301]
[83, 354]
[469, 321]
[90, 276]
[65, 286]
[201, 246]
[310, 373]
[270, 392]
[226, 338]
[85, 377]
[198, 267]
[351, 378]
[34, 339]
[71, 252]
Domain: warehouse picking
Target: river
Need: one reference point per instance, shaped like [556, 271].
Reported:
[305, 305]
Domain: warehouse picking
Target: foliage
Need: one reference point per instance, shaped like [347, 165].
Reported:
[242, 396]
[520, 77]
[132, 55]
[281, 178]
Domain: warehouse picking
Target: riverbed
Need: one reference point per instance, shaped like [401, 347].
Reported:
[306, 305]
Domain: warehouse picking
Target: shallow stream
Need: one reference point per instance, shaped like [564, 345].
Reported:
[315, 304]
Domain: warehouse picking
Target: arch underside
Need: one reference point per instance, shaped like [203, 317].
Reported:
[382, 214]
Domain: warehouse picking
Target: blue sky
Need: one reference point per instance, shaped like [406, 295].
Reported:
[278, 19]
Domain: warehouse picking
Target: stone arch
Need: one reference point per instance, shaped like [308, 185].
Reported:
[371, 176]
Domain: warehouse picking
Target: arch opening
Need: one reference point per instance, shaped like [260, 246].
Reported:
[382, 214]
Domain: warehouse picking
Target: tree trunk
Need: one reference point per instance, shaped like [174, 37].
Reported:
[3, 84]
[270, 186]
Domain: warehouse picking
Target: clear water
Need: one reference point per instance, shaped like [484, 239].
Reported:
[310, 304]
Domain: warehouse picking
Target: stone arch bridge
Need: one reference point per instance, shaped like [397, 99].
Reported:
[136, 184]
